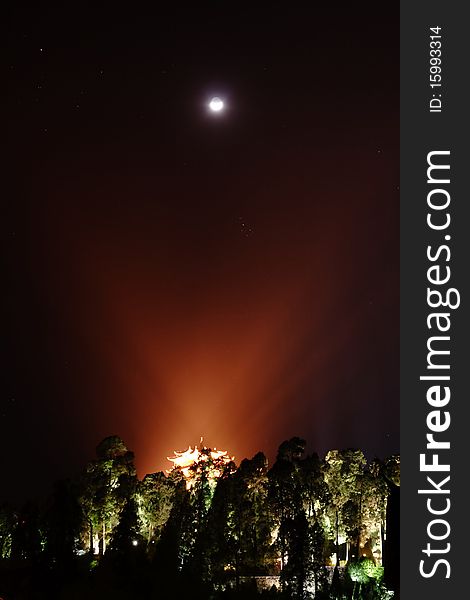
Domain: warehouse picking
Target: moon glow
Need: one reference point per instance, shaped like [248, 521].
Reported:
[216, 104]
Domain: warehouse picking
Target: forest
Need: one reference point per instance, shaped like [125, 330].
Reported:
[304, 527]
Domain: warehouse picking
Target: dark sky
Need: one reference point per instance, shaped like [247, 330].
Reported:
[171, 273]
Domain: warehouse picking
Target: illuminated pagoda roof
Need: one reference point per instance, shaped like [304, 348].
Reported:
[188, 461]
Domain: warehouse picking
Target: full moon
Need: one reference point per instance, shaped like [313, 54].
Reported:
[216, 104]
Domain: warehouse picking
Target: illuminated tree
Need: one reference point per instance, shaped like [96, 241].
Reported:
[392, 469]
[343, 472]
[317, 541]
[358, 575]
[126, 537]
[299, 495]
[107, 483]
[315, 492]
[7, 526]
[201, 469]
[366, 574]
[154, 498]
[223, 532]
[285, 491]
[297, 574]
[240, 524]
[205, 525]
[253, 513]
[374, 493]
[176, 541]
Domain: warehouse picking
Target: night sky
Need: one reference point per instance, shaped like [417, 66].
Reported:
[169, 272]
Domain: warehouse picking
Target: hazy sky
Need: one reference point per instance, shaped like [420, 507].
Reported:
[172, 273]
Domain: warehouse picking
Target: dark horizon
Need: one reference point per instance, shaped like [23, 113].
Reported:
[172, 273]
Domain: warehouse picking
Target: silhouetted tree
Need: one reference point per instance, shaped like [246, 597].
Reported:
[126, 537]
[63, 520]
[297, 574]
[28, 537]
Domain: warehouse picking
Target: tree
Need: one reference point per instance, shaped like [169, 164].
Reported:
[391, 556]
[106, 484]
[374, 493]
[286, 490]
[239, 524]
[317, 541]
[7, 526]
[28, 537]
[126, 536]
[175, 544]
[365, 573]
[252, 511]
[207, 527]
[291, 450]
[126, 549]
[298, 495]
[297, 574]
[63, 521]
[392, 469]
[154, 498]
[343, 473]
[314, 488]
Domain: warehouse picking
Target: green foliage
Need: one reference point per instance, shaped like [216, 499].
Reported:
[126, 537]
[372, 570]
[367, 578]
[105, 486]
[213, 537]
[291, 450]
[357, 573]
[7, 526]
[392, 469]
[236, 538]
[154, 499]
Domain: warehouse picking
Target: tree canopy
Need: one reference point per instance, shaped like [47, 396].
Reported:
[306, 527]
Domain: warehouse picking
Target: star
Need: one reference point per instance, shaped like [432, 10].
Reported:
[245, 229]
